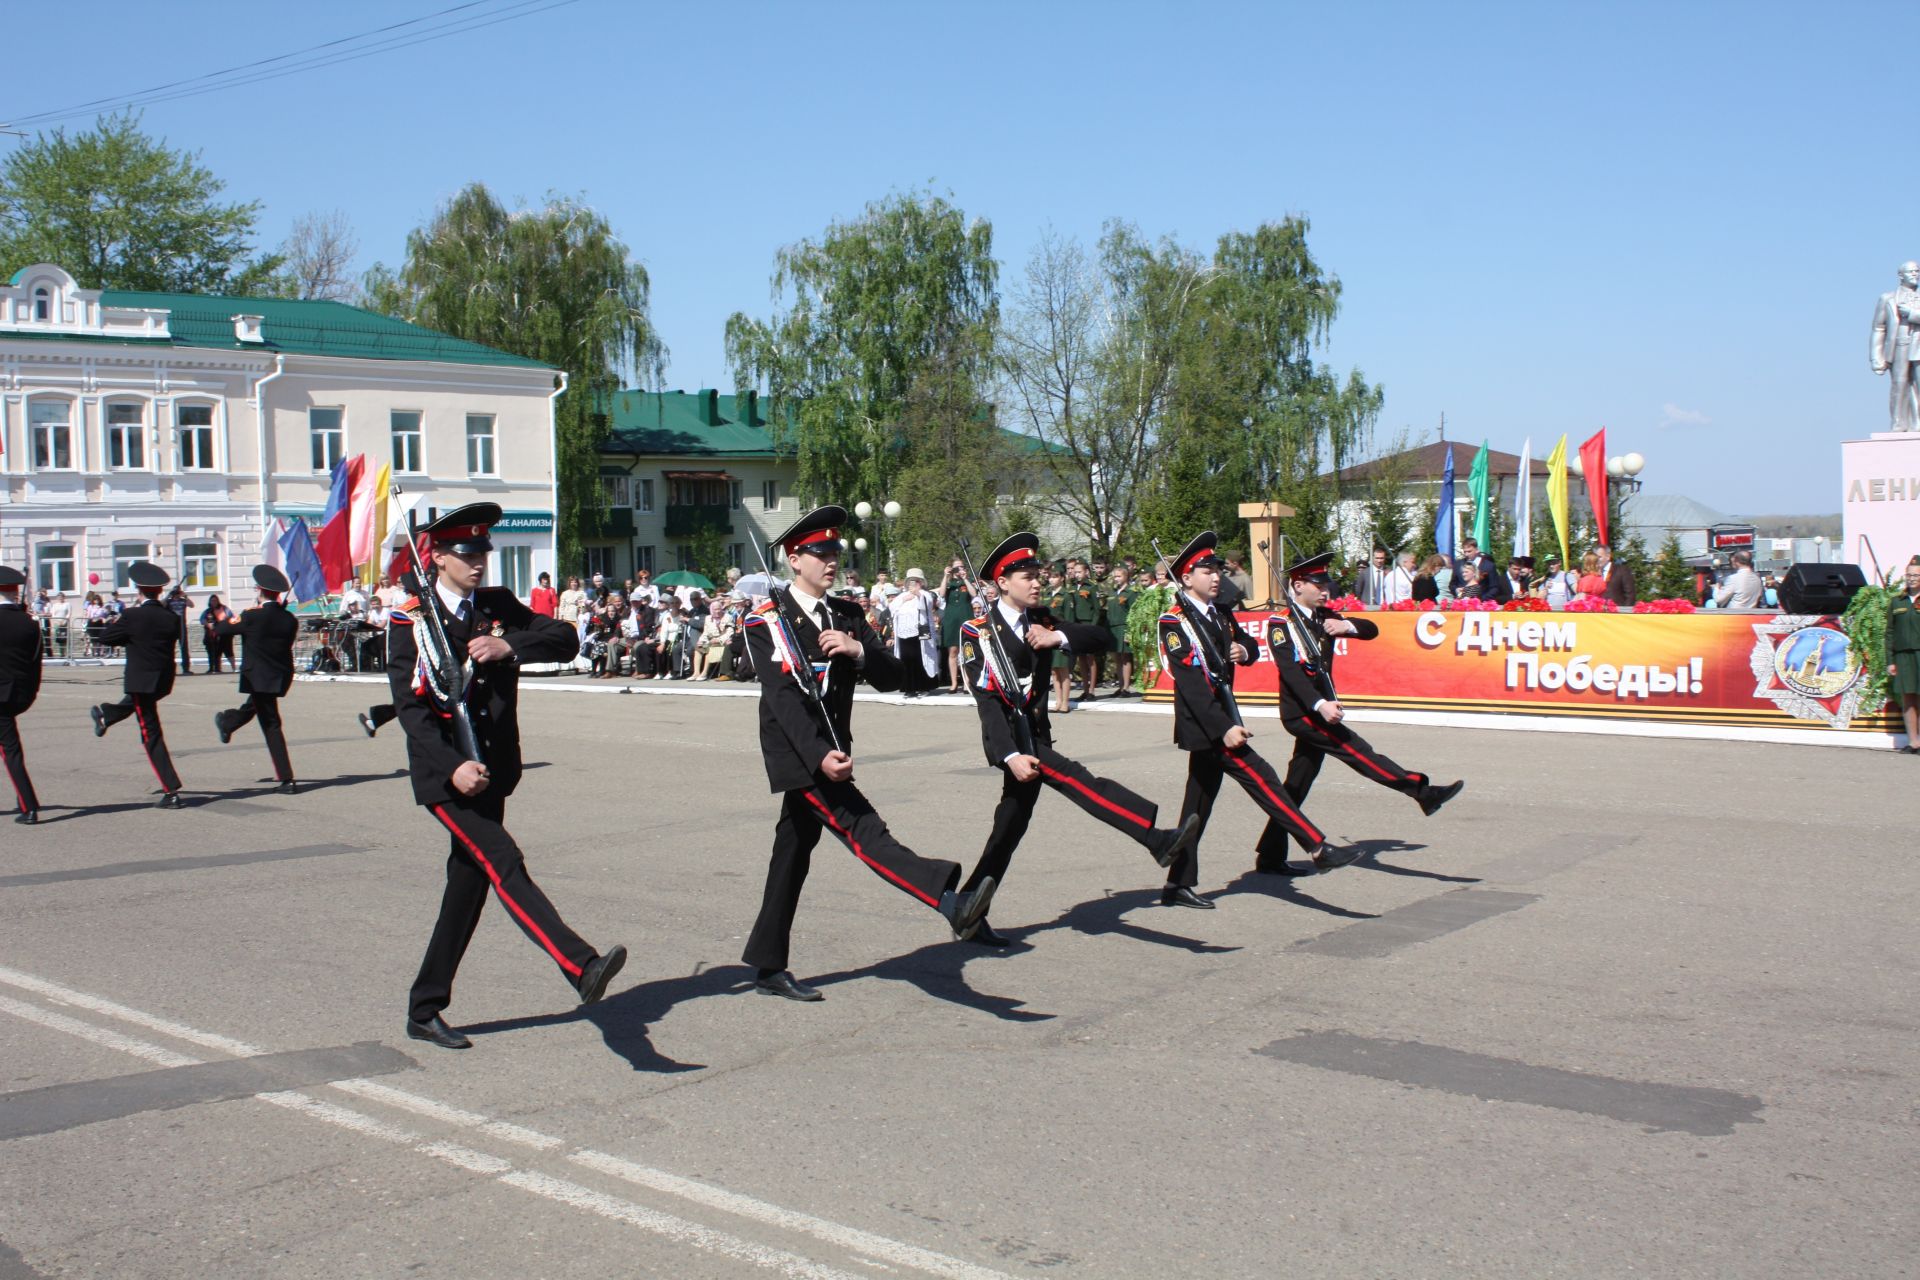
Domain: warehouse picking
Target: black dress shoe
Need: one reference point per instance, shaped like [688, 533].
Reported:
[965, 911]
[220, 727]
[435, 1031]
[99, 721]
[1328, 856]
[1178, 841]
[1278, 867]
[29, 818]
[595, 977]
[1178, 895]
[287, 788]
[984, 936]
[366, 723]
[170, 800]
[785, 984]
[1434, 797]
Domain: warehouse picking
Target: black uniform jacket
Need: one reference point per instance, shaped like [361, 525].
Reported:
[150, 632]
[493, 689]
[1300, 687]
[19, 658]
[1200, 716]
[997, 715]
[266, 662]
[793, 737]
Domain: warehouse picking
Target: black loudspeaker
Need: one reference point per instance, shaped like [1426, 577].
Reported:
[1820, 588]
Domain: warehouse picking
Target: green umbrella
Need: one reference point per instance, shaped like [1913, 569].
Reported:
[684, 578]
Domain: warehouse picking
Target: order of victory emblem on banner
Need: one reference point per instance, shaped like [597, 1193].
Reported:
[1806, 667]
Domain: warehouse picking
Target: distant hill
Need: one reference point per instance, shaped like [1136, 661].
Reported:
[1794, 526]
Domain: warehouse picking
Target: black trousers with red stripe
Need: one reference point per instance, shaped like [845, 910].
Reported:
[1314, 740]
[1127, 813]
[265, 708]
[15, 756]
[145, 708]
[1252, 772]
[840, 808]
[482, 857]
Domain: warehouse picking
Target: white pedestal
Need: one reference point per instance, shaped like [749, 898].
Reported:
[1880, 500]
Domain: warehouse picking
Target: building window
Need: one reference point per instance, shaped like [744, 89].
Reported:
[42, 304]
[643, 495]
[683, 556]
[124, 556]
[407, 443]
[127, 437]
[516, 570]
[480, 458]
[328, 428]
[196, 436]
[599, 560]
[737, 555]
[53, 567]
[51, 424]
[734, 500]
[619, 490]
[200, 564]
[769, 495]
[643, 559]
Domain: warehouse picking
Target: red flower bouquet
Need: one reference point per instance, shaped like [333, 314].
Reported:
[1664, 606]
[1599, 604]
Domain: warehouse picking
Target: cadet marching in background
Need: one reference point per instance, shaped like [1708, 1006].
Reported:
[809, 649]
[1003, 654]
[148, 631]
[267, 632]
[21, 652]
[475, 682]
[1202, 645]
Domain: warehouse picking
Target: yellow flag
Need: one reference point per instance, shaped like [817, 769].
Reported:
[382, 482]
[1557, 496]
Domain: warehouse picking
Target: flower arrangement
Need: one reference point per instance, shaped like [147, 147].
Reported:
[1347, 604]
[1411, 606]
[1468, 605]
[1598, 604]
[1525, 604]
[1664, 606]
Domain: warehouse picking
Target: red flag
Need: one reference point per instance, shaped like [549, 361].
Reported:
[1593, 465]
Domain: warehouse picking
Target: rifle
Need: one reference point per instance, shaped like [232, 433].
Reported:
[1207, 655]
[1303, 627]
[1003, 676]
[447, 673]
[796, 656]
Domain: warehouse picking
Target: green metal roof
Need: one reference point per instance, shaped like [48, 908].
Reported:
[292, 327]
[710, 424]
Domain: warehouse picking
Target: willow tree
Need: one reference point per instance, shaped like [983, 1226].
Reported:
[878, 352]
[552, 284]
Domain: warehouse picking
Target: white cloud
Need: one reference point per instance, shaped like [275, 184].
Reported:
[1678, 417]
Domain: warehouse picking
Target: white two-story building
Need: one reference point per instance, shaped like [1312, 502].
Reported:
[172, 427]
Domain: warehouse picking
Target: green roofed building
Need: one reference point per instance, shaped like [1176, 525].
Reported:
[176, 427]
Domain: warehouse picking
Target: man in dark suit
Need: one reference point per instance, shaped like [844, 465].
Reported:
[1302, 639]
[20, 654]
[489, 633]
[810, 649]
[1620, 588]
[149, 632]
[266, 668]
[1202, 644]
[1016, 732]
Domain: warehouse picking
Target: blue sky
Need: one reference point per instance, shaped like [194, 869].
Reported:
[1671, 220]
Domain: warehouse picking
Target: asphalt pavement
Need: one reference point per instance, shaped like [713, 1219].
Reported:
[1627, 1007]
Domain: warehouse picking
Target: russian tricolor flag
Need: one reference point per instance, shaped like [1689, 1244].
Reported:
[335, 544]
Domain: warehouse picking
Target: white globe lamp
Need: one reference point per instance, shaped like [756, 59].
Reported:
[1633, 464]
[891, 510]
[1616, 466]
[863, 509]
[859, 544]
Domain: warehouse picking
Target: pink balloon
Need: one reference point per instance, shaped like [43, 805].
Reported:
[93, 579]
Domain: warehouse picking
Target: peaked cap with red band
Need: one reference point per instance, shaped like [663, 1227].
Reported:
[1196, 553]
[1313, 568]
[11, 579]
[463, 530]
[817, 531]
[1021, 551]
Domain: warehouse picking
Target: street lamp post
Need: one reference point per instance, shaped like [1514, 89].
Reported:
[889, 511]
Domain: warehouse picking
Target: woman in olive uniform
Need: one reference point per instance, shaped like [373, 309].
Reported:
[956, 609]
[1903, 654]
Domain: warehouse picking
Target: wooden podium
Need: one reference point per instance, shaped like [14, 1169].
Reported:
[1263, 520]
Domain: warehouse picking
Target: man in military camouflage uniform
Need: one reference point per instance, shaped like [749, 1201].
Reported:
[1084, 604]
[1120, 600]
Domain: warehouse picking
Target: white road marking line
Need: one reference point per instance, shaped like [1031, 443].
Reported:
[98, 1035]
[559, 1190]
[851, 1238]
[791, 1264]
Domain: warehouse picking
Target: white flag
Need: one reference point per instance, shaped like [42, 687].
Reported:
[270, 552]
[1523, 503]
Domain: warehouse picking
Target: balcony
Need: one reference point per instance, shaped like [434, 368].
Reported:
[689, 520]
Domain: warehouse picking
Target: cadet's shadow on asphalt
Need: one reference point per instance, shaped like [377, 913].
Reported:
[624, 1017]
[1287, 889]
[1105, 915]
[1370, 861]
[935, 970]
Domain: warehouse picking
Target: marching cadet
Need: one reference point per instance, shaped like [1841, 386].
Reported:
[1301, 639]
[1084, 604]
[489, 633]
[20, 654]
[149, 631]
[808, 649]
[1002, 654]
[268, 631]
[1201, 646]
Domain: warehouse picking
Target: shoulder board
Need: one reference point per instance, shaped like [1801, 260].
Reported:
[1171, 615]
[970, 627]
[403, 612]
[766, 606]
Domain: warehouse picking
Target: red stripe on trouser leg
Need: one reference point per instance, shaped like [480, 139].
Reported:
[146, 742]
[1096, 797]
[1312, 831]
[1390, 777]
[826, 815]
[540, 936]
